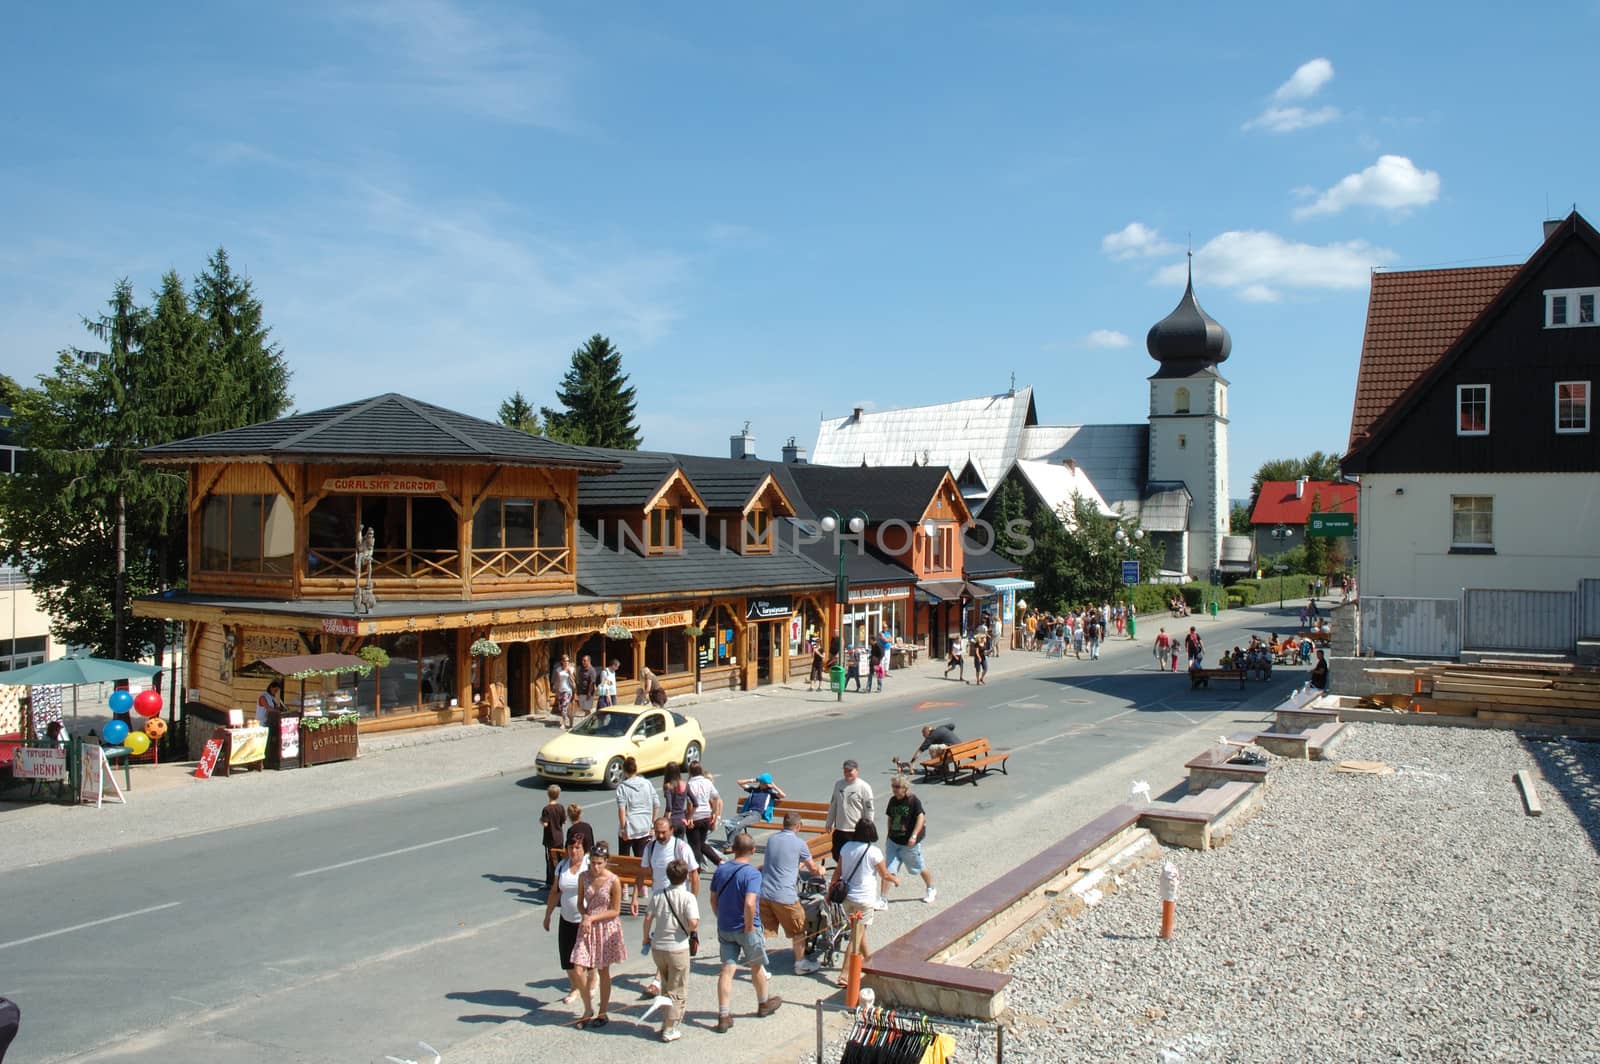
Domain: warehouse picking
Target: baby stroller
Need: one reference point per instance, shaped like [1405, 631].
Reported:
[827, 927]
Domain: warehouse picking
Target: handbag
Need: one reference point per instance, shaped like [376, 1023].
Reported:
[839, 889]
[694, 936]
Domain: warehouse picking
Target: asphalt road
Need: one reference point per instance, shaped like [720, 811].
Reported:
[348, 934]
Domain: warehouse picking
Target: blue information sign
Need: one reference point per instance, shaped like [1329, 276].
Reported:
[1130, 572]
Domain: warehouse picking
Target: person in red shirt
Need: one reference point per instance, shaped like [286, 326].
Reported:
[1165, 658]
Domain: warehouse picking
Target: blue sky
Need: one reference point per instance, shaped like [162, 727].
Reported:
[784, 211]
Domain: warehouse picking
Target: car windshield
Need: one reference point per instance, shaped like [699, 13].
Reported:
[607, 724]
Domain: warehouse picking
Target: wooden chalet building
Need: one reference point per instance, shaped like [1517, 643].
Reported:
[915, 516]
[1473, 432]
[699, 552]
[475, 529]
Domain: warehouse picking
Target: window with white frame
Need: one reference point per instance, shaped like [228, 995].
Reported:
[1572, 406]
[1570, 308]
[1471, 521]
[1472, 410]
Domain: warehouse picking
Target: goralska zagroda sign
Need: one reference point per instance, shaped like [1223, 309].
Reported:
[386, 484]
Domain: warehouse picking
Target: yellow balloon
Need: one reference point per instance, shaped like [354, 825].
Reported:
[138, 742]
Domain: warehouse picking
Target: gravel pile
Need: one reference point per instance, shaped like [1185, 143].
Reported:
[1414, 916]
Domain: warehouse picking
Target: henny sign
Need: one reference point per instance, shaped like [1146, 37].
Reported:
[1331, 525]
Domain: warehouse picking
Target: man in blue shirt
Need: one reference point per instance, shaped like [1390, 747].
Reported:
[787, 853]
[735, 890]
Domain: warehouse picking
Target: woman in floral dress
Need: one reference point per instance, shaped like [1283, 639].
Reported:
[600, 942]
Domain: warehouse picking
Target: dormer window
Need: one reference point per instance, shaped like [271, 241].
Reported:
[1570, 308]
[1472, 410]
[665, 529]
[758, 532]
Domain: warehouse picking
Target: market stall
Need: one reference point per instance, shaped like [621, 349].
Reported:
[319, 722]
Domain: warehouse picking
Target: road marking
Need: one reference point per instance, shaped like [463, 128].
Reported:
[908, 727]
[921, 706]
[1003, 705]
[1114, 716]
[393, 853]
[91, 923]
[808, 753]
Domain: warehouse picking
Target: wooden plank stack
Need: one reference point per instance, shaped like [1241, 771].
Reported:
[1519, 692]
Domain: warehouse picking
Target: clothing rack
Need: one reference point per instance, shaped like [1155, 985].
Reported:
[908, 1021]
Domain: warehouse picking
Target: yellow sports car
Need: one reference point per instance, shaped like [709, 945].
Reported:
[593, 750]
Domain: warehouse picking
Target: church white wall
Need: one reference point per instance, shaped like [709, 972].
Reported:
[1194, 449]
[1545, 535]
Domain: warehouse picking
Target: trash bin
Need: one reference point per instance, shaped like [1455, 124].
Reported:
[1132, 627]
[1212, 606]
[836, 678]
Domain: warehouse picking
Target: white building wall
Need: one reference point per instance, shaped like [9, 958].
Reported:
[21, 616]
[1201, 462]
[1546, 533]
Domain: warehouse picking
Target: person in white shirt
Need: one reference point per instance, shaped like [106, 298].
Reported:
[659, 854]
[705, 811]
[271, 700]
[861, 866]
[563, 895]
[673, 915]
[608, 684]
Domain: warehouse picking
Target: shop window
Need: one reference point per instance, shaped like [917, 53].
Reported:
[757, 532]
[246, 534]
[665, 529]
[422, 674]
[716, 646]
[666, 651]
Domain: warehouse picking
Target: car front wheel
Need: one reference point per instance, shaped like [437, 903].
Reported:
[613, 775]
[691, 754]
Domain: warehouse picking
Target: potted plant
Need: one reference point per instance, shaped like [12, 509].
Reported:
[377, 657]
[484, 648]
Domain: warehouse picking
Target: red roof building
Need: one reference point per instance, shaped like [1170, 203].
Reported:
[1280, 504]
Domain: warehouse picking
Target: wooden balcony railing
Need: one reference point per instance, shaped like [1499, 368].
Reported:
[523, 562]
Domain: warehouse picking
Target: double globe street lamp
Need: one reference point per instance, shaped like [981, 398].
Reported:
[831, 523]
[1282, 533]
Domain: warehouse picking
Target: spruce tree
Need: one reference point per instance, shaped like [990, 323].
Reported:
[250, 368]
[598, 400]
[517, 413]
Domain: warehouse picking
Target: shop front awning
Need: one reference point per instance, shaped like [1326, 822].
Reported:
[950, 591]
[1007, 583]
[303, 665]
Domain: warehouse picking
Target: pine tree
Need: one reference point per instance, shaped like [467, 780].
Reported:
[517, 413]
[599, 403]
[251, 371]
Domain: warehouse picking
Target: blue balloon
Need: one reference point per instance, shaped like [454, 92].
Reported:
[115, 732]
[121, 700]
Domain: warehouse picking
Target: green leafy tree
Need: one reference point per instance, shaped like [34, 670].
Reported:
[1314, 466]
[517, 413]
[1239, 519]
[1316, 547]
[598, 401]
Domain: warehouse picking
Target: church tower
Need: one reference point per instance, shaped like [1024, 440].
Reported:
[1189, 436]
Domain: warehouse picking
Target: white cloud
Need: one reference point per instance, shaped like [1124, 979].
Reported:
[1393, 183]
[1106, 338]
[508, 70]
[1259, 263]
[1305, 82]
[1290, 119]
[1135, 240]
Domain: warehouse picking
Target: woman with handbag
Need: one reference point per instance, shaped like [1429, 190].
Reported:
[600, 943]
[860, 875]
[672, 936]
[705, 812]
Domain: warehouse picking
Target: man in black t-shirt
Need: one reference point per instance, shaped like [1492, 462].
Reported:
[908, 826]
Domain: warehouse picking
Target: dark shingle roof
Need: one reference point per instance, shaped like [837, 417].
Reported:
[383, 428]
[863, 568]
[885, 493]
[632, 486]
[981, 561]
[610, 572]
[724, 483]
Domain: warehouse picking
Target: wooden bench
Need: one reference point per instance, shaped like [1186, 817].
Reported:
[1320, 639]
[974, 758]
[1199, 678]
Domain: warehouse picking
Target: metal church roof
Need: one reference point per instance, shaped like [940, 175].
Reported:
[1115, 458]
[984, 430]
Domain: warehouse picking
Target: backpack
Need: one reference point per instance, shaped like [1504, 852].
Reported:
[678, 808]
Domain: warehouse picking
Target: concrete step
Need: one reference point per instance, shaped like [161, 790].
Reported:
[1204, 820]
[1321, 739]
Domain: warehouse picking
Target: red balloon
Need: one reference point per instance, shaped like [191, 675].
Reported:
[148, 703]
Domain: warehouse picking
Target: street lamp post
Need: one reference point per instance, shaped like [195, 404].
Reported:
[831, 522]
[1282, 533]
[1128, 549]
